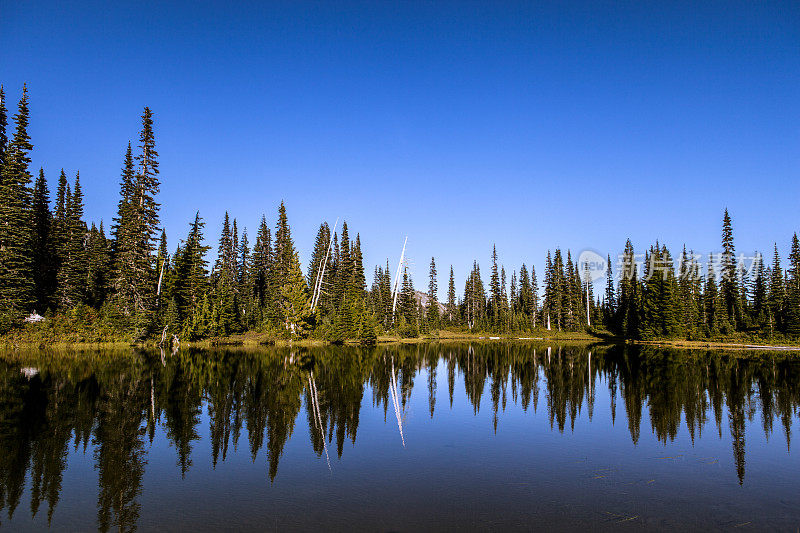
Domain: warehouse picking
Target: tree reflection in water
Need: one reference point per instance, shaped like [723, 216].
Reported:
[116, 400]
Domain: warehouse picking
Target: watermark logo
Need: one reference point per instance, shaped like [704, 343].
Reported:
[592, 264]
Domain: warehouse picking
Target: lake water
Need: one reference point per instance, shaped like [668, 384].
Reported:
[488, 436]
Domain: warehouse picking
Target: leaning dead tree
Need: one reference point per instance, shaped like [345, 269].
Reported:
[321, 270]
[396, 402]
[312, 389]
[396, 286]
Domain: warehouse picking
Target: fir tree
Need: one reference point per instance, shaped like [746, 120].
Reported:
[223, 278]
[3, 134]
[610, 304]
[98, 266]
[262, 270]
[295, 306]
[74, 270]
[729, 286]
[712, 300]
[16, 281]
[451, 298]
[793, 289]
[189, 290]
[432, 312]
[494, 291]
[44, 276]
[137, 230]
[759, 292]
[777, 293]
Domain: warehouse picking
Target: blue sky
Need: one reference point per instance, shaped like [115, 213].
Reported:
[461, 124]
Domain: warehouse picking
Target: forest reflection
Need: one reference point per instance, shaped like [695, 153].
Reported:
[112, 403]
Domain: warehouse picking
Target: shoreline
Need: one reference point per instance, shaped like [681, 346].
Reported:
[255, 340]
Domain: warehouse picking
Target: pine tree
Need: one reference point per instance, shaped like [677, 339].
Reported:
[408, 300]
[729, 287]
[245, 282]
[98, 266]
[44, 276]
[262, 270]
[432, 312]
[295, 305]
[793, 289]
[610, 304]
[759, 292]
[494, 291]
[712, 300]
[16, 280]
[451, 298]
[282, 255]
[74, 270]
[3, 134]
[223, 277]
[628, 312]
[189, 286]
[524, 298]
[548, 307]
[319, 257]
[533, 309]
[136, 232]
[777, 293]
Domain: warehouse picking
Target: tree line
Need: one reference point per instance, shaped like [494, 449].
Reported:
[128, 284]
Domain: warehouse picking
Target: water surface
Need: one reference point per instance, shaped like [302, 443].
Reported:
[487, 436]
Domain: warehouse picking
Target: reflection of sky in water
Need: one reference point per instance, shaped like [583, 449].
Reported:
[457, 472]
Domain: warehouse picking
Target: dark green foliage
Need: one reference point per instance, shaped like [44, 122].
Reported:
[51, 261]
[432, 312]
[190, 286]
[73, 272]
[16, 262]
[136, 231]
[43, 260]
[295, 305]
[99, 266]
[729, 285]
[793, 289]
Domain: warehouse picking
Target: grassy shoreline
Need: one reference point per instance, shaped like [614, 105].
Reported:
[254, 339]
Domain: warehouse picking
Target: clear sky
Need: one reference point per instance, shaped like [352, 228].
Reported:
[461, 124]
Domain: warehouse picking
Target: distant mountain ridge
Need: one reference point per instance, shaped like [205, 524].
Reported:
[422, 298]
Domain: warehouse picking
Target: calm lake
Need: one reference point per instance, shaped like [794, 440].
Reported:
[488, 436]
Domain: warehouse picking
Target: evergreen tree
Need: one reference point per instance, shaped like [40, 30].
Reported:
[729, 286]
[245, 281]
[44, 276]
[98, 266]
[74, 270]
[189, 290]
[319, 257]
[432, 312]
[610, 304]
[627, 321]
[712, 300]
[407, 299]
[533, 309]
[777, 294]
[16, 282]
[137, 226]
[223, 278]
[793, 289]
[3, 134]
[295, 305]
[494, 291]
[262, 271]
[525, 299]
[451, 298]
[759, 292]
